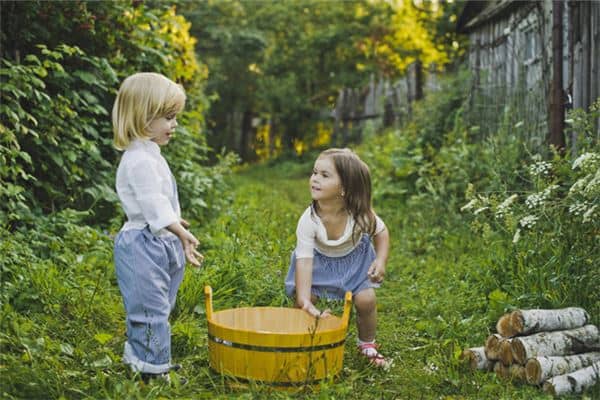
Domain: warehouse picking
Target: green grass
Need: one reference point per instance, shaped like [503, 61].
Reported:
[63, 328]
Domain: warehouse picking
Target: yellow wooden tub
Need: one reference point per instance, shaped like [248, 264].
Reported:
[282, 347]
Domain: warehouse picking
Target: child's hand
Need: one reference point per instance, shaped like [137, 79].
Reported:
[376, 271]
[188, 241]
[189, 247]
[314, 311]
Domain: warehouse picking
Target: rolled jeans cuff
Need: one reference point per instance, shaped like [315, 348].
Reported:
[138, 365]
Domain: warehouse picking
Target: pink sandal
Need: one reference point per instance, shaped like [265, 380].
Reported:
[376, 359]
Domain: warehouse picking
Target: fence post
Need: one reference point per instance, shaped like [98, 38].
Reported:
[557, 109]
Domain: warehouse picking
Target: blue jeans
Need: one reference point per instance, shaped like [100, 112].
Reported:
[149, 271]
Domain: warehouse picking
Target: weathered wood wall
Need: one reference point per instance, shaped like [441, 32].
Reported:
[583, 71]
[510, 56]
[380, 103]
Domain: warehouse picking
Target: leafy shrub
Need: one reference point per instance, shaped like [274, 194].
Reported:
[56, 147]
[56, 144]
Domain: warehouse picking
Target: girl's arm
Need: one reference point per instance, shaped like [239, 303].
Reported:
[381, 242]
[303, 278]
[382, 245]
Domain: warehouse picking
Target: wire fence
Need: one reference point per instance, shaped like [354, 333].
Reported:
[518, 110]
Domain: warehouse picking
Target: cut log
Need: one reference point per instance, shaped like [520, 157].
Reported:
[506, 356]
[575, 382]
[501, 370]
[517, 372]
[541, 368]
[504, 326]
[492, 346]
[525, 322]
[513, 372]
[477, 359]
[557, 343]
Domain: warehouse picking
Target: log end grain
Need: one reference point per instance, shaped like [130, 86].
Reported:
[533, 371]
[505, 353]
[517, 321]
[502, 371]
[517, 373]
[468, 356]
[504, 326]
[492, 346]
[476, 359]
[518, 351]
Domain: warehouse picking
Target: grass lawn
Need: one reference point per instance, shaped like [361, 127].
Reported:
[63, 337]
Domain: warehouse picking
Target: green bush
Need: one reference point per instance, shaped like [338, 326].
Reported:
[56, 142]
[56, 135]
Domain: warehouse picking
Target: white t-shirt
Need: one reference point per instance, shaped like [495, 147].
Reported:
[311, 234]
[146, 188]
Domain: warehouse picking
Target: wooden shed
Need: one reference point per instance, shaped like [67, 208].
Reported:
[518, 82]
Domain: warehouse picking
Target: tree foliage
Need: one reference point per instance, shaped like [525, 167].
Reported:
[59, 80]
[285, 62]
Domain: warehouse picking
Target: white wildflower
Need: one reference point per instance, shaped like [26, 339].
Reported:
[430, 368]
[469, 206]
[593, 187]
[479, 210]
[589, 214]
[517, 236]
[528, 221]
[534, 200]
[540, 168]
[586, 160]
[579, 185]
[537, 199]
[505, 205]
[578, 208]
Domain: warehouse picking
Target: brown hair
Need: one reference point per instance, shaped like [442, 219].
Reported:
[356, 185]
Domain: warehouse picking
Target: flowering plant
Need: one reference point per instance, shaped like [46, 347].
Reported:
[546, 233]
[557, 193]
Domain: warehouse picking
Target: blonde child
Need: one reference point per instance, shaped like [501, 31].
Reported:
[334, 253]
[151, 247]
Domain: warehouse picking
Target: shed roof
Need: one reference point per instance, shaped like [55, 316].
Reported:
[477, 12]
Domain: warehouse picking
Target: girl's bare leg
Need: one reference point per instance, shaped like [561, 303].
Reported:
[365, 302]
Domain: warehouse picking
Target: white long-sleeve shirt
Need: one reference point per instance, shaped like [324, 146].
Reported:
[146, 188]
[311, 234]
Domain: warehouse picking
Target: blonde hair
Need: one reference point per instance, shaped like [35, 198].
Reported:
[142, 98]
[355, 179]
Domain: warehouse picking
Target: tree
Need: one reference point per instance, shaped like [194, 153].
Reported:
[285, 62]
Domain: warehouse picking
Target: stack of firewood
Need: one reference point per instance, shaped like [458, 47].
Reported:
[555, 349]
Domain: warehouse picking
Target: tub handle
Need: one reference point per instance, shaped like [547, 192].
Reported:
[208, 302]
[347, 309]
